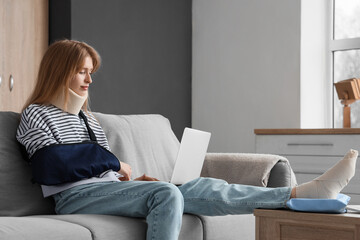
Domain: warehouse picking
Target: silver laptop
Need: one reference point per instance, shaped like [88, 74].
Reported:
[191, 156]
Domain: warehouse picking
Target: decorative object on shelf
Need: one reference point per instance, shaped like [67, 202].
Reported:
[348, 92]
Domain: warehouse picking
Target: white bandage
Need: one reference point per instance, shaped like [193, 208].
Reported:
[332, 181]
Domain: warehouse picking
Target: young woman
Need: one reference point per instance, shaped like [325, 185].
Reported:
[59, 133]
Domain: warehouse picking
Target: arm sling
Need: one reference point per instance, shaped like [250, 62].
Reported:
[63, 163]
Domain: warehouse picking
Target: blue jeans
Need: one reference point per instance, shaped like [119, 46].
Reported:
[163, 204]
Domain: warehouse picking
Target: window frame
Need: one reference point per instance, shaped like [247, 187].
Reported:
[335, 45]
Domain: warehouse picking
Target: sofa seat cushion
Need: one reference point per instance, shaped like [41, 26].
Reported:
[117, 228]
[229, 227]
[34, 228]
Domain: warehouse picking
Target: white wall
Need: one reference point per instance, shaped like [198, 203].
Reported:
[246, 69]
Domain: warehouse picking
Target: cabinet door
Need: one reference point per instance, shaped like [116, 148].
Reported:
[25, 40]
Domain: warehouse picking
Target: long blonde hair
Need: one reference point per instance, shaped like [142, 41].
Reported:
[62, 60]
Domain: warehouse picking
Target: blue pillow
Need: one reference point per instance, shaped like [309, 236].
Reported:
[319, 205]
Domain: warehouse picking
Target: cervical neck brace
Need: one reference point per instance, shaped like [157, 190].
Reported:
[74, 104]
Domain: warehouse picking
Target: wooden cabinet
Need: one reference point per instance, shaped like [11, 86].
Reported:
[23, 41]
[2, 53]
[287, 225]
[312, 151]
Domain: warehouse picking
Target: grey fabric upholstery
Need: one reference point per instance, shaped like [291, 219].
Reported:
[31, 228]
[146, 142]
[242, 168]
[18, 195]
[240, 227]
[114, 227]
[264, 170]
[282, 175]
[105, 226]
[192, 228]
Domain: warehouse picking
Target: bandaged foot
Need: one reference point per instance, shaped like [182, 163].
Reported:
[332, 181]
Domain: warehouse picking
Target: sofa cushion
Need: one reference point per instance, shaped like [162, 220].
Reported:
[229, 227]
[114, 227]
[18, 195]
[146, 142]
[32, 228]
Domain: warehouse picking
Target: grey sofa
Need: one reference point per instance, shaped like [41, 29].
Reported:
[148, 144]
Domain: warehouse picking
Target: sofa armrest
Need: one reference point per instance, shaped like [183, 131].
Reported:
[264, 170]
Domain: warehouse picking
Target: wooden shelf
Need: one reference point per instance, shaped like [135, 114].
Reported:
[298, 131]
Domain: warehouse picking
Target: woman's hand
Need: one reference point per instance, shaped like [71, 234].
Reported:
[125, 171]
[145, 178]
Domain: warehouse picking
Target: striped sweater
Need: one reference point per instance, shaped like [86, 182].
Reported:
[43, 125]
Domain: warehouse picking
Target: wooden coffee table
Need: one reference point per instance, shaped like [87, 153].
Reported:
[286, 224]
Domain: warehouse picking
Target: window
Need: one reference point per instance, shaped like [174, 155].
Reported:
[316, 96]
[344, 46]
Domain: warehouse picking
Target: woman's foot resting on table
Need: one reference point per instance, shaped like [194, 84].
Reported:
[331, 182]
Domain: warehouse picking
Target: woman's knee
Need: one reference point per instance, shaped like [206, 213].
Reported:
[170, 194]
